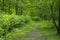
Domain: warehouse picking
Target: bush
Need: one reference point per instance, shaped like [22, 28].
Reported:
[9, 22]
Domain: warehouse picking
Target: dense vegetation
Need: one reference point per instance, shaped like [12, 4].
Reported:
[18, 14]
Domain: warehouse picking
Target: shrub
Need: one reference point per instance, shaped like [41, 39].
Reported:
[9, 22]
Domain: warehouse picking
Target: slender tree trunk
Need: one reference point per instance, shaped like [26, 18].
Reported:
[9, 11]
[59, 19]
[21, 10]
[53, 18]
[59, 12]
[3, 5]
[52, 13]
[16, 6]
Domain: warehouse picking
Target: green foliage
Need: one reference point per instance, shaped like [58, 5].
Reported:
[1, 39]
[16, 24]
[21, 31]
[1, 31]
[9, 22]
[47, 27]
[40, 8]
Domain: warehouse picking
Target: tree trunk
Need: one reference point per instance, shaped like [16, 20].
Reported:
[52, 13]
[3, 5]
[21, 10]
[53, 18]
[16, 6]
[59, 19]
[9, 11]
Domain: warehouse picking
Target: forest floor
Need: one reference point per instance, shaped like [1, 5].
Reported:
[35, 34]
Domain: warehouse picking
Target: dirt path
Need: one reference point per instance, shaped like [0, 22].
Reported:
[33, 35]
